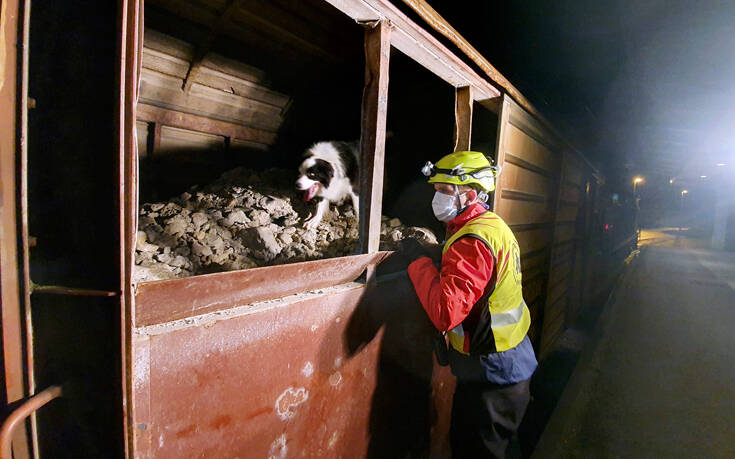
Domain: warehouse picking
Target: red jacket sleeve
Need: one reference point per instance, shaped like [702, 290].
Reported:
[448, 297]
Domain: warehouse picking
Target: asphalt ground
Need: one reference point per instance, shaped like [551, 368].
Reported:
[657, 376]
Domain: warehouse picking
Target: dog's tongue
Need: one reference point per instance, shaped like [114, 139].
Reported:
[308, 194]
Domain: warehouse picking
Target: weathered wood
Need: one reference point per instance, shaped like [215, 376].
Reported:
[163, 91]
[503, 119]
[372, 138]
[419, 45]
[182, 120]
[463, 104]
[206, 44]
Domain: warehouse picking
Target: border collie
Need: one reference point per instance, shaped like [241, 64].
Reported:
[329, 172]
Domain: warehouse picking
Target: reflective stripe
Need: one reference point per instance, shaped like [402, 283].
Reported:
[511, 317]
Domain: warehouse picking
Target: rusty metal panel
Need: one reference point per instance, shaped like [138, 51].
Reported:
[346, 373]
[172, 299]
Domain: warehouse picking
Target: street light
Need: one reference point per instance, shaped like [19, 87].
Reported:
[671, 181]
[681, 207]
[636, 181]
[721, 164]
[703, 176]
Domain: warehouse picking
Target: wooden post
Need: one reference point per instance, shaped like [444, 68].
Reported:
[463, 118]
[372, 137]
[503, 120]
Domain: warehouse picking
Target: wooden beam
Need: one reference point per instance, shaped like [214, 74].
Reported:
[438, 23]
[418, 44]
[503, 122]
[463, 104]
[372, 138]
[196, 64]
[166, 117]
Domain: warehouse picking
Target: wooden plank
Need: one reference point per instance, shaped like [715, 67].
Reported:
[206, 44]
[521, 180]
[372, 138]
[500, 139]
[419, 45]
[163, 91]
[463, 104]
[530, 150]
[182, 120]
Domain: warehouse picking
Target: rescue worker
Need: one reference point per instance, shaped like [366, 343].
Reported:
[477, 299]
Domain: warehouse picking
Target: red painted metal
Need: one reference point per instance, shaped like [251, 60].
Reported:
[25, 410]
[163, 301]
[344, 374]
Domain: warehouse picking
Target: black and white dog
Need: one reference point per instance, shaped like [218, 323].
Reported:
[329, 172]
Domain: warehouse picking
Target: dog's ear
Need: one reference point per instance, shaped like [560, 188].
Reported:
[323, 171]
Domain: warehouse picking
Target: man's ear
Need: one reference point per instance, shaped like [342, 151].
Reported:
[471, 195]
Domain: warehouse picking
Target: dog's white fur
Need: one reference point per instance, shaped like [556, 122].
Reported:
[339, 188]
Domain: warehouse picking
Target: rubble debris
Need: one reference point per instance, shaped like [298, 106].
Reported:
[243, 220]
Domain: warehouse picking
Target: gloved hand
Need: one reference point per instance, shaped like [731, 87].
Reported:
[411, 249]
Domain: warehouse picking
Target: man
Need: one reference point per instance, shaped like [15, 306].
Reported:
[477, 299]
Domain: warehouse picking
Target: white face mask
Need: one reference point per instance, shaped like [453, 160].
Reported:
[444, 206]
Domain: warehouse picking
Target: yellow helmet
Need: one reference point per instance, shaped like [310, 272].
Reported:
[463, 168]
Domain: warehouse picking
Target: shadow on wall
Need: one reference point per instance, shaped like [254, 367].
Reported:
[410, 406]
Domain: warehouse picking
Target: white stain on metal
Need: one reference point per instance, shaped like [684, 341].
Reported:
[308, 369]
[314, 327]
[278, 449]
[160, 441]
[338, 362]
[333, 440]
[288, 401]
[335, 379]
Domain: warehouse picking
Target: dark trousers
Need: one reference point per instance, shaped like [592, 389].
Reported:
[485, 416]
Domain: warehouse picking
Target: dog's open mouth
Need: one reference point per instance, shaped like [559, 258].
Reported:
[310, 192]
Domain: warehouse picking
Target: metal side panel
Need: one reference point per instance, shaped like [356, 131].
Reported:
[349, 372]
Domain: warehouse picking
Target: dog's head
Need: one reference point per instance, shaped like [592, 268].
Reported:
[314, 175]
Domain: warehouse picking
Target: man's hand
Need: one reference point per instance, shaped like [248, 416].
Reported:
[412, 249]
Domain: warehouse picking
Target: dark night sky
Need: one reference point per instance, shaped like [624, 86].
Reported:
[640, 87]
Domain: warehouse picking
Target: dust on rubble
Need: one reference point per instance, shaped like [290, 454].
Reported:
[243, 220]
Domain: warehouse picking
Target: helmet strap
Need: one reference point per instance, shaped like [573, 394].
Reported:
[457, 196]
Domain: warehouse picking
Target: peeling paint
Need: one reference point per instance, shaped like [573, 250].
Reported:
[278, 449]
[335, 379]
[314, 327]
[333, 440]
[308, 369]
[289, 400]
[338, 362]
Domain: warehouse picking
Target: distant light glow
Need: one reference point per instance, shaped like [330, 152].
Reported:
[702, 176]
[683, 192]
[638, 179]
[671, 181]
[721, 164]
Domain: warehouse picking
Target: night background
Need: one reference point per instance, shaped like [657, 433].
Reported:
[641, 88]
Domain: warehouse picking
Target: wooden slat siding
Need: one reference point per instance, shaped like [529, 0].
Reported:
[372, 137]
[530, 151]
[162, 91]
[503, 116]
[533, 240]
[530, 213]
[517, 179]
[566, 213]
[206, 44]
[463, 104]
[552, 327]
[197, 123]
[521, 196]
[214, 74]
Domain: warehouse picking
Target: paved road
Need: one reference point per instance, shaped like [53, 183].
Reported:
[658, 380]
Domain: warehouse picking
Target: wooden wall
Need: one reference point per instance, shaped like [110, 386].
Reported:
[542, 194]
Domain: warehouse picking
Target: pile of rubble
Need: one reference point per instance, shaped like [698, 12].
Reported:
[243, 220]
